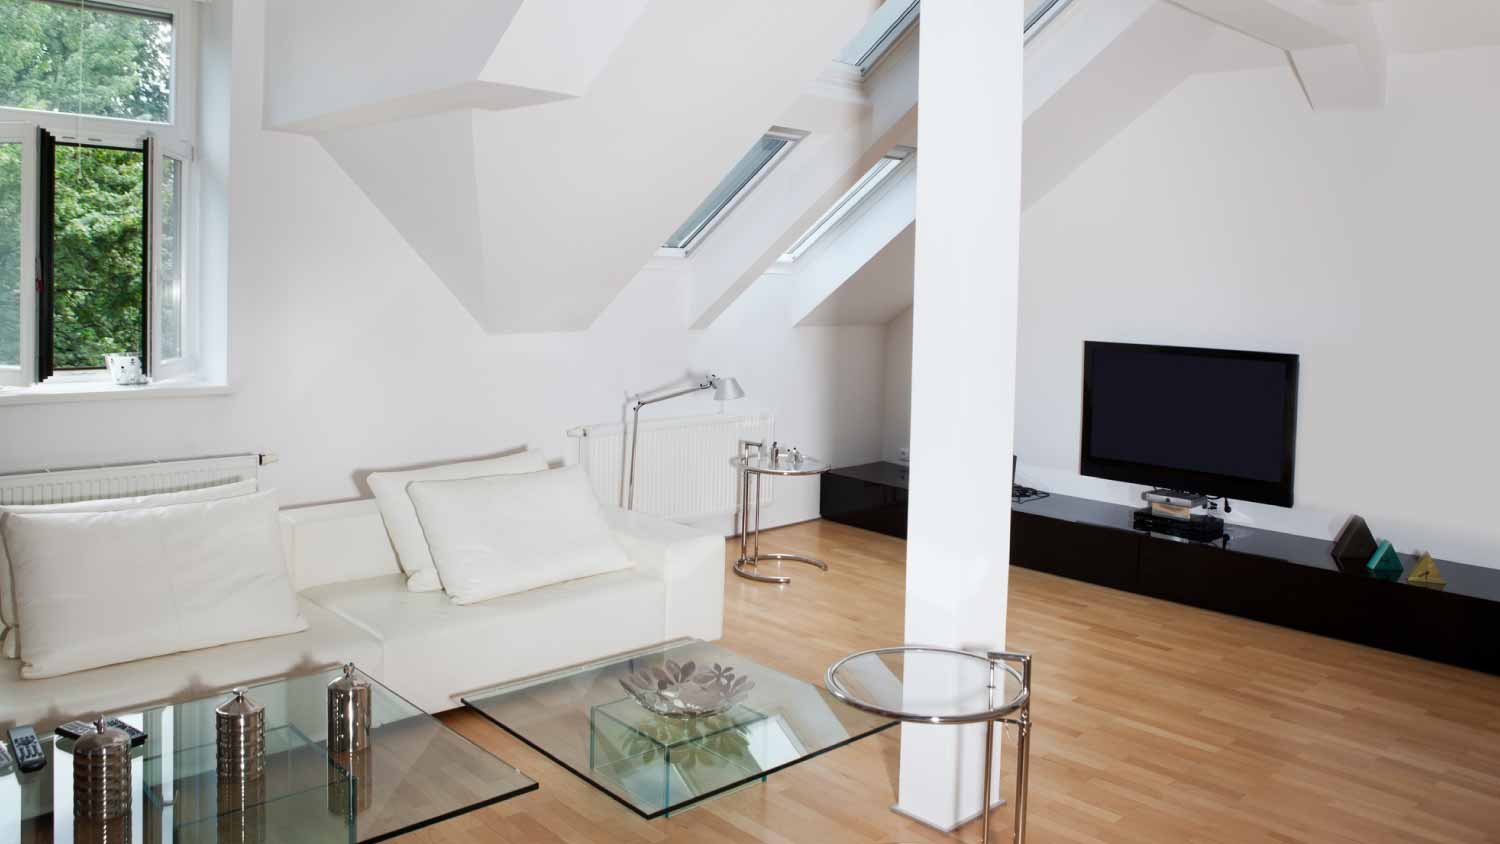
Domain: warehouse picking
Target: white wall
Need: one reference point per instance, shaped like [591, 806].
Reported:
[895, 424]
[1232, 215]
[348, 354]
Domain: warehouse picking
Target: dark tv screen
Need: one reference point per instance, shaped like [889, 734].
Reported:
[1211, 421]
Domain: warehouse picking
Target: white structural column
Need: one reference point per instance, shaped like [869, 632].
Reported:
[963, 370]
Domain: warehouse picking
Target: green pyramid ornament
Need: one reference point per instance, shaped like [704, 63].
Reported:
[1385, 560]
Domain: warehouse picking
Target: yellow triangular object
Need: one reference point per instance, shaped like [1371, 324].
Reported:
[1426, 572]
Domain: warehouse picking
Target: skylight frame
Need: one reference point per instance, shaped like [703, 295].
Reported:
[1040, 17]
[862, 191]
[883, 39]
[789, 137]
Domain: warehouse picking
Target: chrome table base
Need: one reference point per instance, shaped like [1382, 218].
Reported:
[746, 566]
[750, 554]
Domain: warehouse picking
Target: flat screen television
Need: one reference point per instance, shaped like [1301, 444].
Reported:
[1209, 421]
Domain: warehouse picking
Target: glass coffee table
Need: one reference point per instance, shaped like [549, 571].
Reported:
[584, 719]
[416, 772]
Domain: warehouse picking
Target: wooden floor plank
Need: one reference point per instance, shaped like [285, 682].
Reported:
[1154, 723]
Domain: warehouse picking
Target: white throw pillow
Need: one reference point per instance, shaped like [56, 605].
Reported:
[501, 535]
[10, 646]
[96, 589]
[401, 521]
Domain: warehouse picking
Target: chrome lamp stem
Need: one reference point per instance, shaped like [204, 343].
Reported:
[635, 430]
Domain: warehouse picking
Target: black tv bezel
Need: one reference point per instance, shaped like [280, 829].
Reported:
[1239, 488]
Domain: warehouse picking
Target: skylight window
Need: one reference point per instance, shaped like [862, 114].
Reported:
[895, 17]
[734, 186]
[852, 199]
[885, 28]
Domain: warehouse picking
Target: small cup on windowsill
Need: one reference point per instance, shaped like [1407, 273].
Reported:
[125, 369]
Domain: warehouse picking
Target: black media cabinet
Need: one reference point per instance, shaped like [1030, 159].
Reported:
[1277, 578]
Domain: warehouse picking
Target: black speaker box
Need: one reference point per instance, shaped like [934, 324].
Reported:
[1354, 545]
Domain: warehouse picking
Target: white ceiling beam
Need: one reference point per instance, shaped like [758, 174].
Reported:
[1288, 24]
[1336, 48]
[1346, 76]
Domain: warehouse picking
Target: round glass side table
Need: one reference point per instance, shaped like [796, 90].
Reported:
[929, 685]
[757, 467]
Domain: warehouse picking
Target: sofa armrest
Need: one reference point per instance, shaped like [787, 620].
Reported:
[689, 560]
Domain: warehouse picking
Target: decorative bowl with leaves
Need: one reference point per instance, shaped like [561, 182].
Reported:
[683, 690]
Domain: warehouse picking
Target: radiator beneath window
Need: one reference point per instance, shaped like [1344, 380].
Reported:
[682, 470]
[64, 485]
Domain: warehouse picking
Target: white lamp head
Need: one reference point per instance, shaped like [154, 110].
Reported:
[727, 389]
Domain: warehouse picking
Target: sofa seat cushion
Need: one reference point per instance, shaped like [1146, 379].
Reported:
[328, 640]
[436, 651]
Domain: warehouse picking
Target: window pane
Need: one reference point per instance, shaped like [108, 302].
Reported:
[892, 19]
[10, 254]
[851, 199]
[97, 250]
[169, 282]
[95, 59]
[754, 161]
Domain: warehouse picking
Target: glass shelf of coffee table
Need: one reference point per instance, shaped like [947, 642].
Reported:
[585, 720]
[416, 772]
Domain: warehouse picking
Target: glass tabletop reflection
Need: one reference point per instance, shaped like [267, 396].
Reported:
[921, 684]
[588, 719]
[415, 772]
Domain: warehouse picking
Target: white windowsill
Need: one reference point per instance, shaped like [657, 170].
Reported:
[60, 391]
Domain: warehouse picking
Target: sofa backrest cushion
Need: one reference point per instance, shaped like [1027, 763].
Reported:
[401, 522]
[334, 543]
[10, 646]
[96, 589]
[513, 533]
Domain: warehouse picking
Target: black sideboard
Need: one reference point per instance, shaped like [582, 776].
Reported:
[1277, 578]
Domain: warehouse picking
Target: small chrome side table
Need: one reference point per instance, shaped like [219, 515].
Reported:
[928, 685]
[752, 465]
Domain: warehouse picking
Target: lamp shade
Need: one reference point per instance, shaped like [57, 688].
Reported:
[727, 389]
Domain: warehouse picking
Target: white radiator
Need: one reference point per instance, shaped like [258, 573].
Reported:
[682, 470]
[64, 485]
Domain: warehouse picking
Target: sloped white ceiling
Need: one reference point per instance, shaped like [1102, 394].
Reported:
[568, 154]
[878, 292]
[1103, 63]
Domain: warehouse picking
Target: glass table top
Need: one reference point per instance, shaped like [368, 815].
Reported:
[759, 465]
[936, 685]
[415, 772]
[586, 720]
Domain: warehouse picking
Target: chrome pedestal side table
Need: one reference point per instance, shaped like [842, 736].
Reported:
[928, 685]
[752, 466]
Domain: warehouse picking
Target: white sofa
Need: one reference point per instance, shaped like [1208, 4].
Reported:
[420, 645]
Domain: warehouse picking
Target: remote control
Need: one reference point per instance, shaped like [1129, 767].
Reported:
[5, 765]
[27, 749]
[78, 729]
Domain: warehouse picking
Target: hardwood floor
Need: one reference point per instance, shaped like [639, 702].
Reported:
[1154, 723]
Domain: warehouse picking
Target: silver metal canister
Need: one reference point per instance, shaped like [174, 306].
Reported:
[101, 774]
[348, 713]
[241, 726]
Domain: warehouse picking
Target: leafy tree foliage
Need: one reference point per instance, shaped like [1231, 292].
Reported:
[85, 61]
[96, 277]
[94, 62]
[10, 254]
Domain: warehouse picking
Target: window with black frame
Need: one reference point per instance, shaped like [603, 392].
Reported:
[94, 254]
